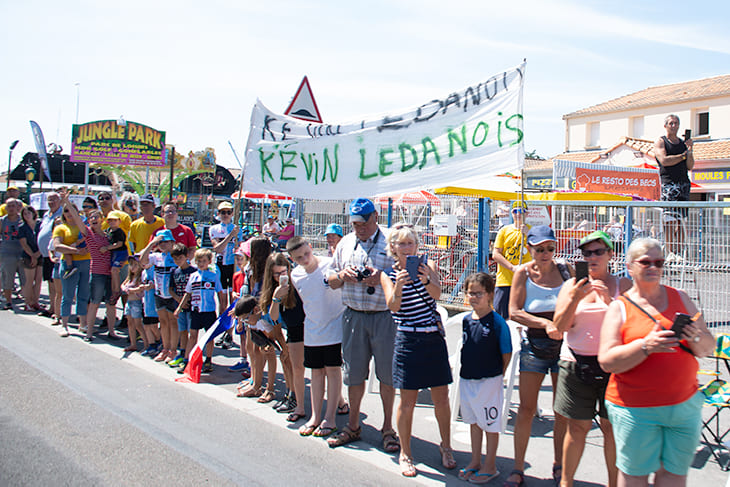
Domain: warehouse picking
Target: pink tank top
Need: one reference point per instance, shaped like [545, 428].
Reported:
[585, 335]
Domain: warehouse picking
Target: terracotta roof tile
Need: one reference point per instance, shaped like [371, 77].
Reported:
[712, 150]
[579, 156]
[659, 95]
[704, 150]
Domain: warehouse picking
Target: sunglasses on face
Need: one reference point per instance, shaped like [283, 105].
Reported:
[518, 210]
[645, 263]
[540, 250]
[87, 207]
[598, 252]
[225, 212]
[104, 198]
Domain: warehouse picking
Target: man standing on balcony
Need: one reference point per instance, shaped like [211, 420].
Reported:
[510, 250]
[675, 159]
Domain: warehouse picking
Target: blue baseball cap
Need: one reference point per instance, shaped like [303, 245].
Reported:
[361, 209]
[540, 234]
[166, 235]
[333, 228]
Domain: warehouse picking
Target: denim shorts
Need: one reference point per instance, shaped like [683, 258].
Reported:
[531, 363]
[134, 309]
[183, 321]
[101, 287]
[119, 258]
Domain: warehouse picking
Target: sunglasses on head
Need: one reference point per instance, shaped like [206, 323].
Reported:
[540, 250]
[598, 252]
[659, 263]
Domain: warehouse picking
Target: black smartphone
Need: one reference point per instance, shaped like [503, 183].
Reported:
[687, 134]
[581, 269]
[680, 321]
[412, 263]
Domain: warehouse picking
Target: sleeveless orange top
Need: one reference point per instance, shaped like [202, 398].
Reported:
[663, 379]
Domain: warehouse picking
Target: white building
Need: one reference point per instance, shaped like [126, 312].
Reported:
[621, 131]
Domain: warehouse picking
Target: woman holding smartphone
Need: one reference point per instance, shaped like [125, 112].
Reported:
[579, 312]
[420, 358]
[652, 397]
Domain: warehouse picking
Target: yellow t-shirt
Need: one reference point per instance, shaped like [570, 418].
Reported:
[69, 236]
[514, 248]
[140, 232]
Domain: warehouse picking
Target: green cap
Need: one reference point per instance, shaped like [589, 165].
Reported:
[597, 235]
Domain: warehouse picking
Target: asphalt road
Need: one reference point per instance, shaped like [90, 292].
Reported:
[73, 413]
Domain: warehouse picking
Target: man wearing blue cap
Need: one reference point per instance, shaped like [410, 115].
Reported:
[367, 324]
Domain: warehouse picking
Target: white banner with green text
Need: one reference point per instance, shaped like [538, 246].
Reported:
[477, 131]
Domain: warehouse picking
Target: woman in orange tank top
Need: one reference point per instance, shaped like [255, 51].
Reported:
[652, 398]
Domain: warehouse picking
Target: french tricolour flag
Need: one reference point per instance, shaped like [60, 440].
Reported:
[195, 362]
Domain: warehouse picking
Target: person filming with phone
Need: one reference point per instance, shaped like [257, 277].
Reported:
[652, 396]
[420, 359]
[675, 159]
[579, 312]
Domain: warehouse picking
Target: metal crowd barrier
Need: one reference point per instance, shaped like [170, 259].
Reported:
[702, 269]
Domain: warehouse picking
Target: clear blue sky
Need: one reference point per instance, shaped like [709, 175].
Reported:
[195, 69]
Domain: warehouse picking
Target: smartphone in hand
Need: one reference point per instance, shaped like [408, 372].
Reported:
[687, 134]
[284, 281]
[412, 263]
[680, 321]
[581, 270]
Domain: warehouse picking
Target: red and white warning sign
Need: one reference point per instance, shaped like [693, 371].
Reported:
[303, 105]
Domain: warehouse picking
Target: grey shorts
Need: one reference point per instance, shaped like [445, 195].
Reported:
[100, 286]
[365, 335]
[9, 266]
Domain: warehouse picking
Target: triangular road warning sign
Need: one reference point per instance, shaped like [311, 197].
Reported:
[303, 105]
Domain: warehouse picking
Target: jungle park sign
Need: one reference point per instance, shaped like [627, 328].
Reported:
[107, 142]
[477, 131]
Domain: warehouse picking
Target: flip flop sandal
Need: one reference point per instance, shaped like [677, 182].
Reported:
[324, 431]
[465, 473]
[344, 409]
[390, 441]
[344, 437]
[483, 478]
[307, 429]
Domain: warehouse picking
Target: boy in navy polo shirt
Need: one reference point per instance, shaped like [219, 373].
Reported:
[485, 353]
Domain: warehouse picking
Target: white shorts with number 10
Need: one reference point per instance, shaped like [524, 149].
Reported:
[481, 402]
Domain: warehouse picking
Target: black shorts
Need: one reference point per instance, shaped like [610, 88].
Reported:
[227, 275]
[150, 320]
[204, 320]
[165, 303]
[47, 269]
[324, 356]
[295, 334]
